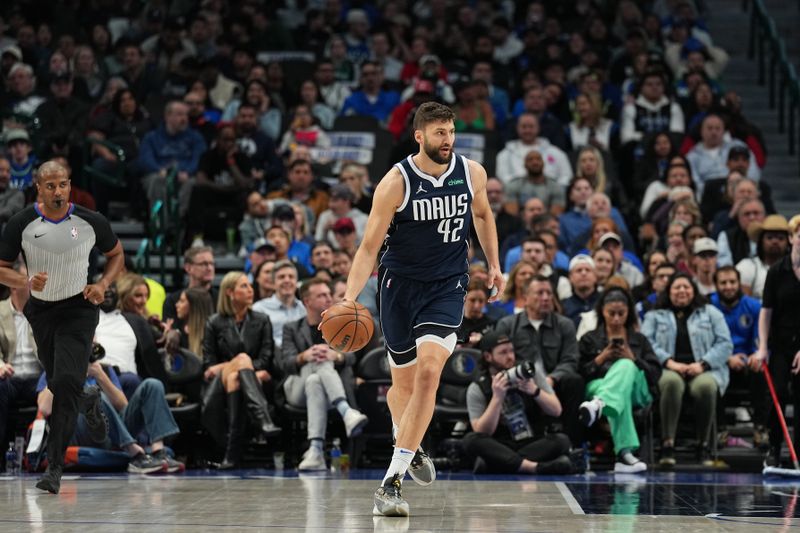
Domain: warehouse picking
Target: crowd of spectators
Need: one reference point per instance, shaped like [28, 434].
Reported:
[631, 197]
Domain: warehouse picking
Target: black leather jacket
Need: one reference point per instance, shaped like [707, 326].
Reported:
[223, 341]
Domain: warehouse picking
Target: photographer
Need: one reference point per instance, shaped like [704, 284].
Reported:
[504, 404]
[621, 372]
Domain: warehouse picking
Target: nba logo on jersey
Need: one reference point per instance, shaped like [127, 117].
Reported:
[74, 233]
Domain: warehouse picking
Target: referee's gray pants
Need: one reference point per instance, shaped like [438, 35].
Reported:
[63, 331]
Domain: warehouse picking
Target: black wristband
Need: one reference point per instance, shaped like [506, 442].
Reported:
[537, 393]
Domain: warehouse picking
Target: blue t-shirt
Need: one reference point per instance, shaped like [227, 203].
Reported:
[90, 381]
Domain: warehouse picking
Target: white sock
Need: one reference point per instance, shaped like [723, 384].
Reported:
[401, 460]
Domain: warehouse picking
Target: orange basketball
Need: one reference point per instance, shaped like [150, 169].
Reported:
[347, 326]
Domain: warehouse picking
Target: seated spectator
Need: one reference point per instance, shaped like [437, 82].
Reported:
[532, 208]
[661, 276]
[475, 322]
[651, 112]
[472, 112]
[513, 299]
[199, 265]
[224, 175]
[498, 97]
[333, 92]
[356, 177]
[583, 279]
[708, 157]
[62, 113]
[257, 147]
[605, 265]
[238, 349]
[371, 99]
[534, 101]
[658, 192]
[535, 184]
[652, 261]
[507, 419]
[22, 160]
[262, 280]
[283, 306]
[576, 224]
[310, 97]
[590, 128]
[268, 116]
[145, 413]
[318, 377]
[555, 257]
[658, 152]
[201, 119]
[538, 329]
[772, 245]
[322, 258]
[692, 342]
[625, 268]
[429, 73]
[126, 336]
[741, 314]
[303, 131]
[11, 200]
[590, 164]
[735, 244]
[298, 252]
[172, 145]
[255, 222]
[342, 262]
[20, 367]
[193, 308]
[621, 372]
[704, 265]
[344, 235]
[340, 205]
[22, 98]
[511, 159]
[143, 78]
[738, 189]
[125, 125]
[300, 187]
[677, 253]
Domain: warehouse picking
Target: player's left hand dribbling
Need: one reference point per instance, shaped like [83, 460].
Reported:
[95, 293]
[496, 283]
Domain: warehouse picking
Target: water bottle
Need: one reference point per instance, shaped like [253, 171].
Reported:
[336, 457]
[11, 460]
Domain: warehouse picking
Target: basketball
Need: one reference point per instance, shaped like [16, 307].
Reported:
[347, 326]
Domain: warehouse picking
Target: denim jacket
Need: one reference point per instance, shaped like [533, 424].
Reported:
[708, 335]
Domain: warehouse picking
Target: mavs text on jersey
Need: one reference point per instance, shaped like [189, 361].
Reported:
[428, 238]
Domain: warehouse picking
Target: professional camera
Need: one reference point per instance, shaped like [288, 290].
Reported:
[524, 370]
[98, 352]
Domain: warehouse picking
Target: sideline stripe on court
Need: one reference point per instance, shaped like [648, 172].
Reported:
[573, 504]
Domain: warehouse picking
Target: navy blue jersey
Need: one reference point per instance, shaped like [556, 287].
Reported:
[428, 237]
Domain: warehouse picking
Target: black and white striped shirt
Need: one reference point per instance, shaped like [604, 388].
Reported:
[59, 247]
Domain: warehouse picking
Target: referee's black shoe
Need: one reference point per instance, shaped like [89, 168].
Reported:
[51, 480]
[92, 409]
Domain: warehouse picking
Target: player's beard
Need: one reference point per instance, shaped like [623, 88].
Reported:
[433, 153]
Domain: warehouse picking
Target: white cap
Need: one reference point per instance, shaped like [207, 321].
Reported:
[581, 259]
[705, 244]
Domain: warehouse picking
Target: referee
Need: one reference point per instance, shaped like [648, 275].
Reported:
[55, 238]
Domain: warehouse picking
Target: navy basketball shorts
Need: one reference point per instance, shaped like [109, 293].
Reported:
[410, 309]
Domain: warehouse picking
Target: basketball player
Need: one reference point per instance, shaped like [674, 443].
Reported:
[55, 238]
[421, 217]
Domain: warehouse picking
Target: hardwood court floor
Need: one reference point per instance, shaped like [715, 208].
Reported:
[261, 500]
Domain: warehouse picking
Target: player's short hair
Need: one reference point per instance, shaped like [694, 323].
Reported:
[432, 112]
